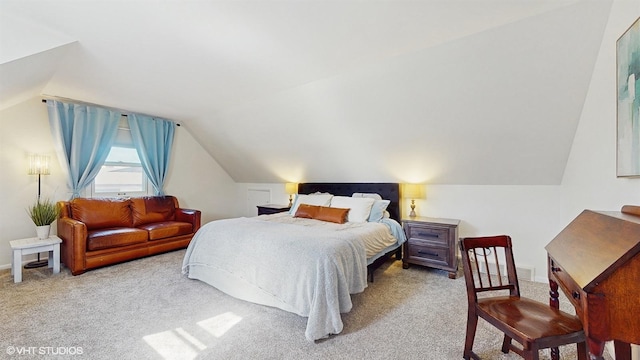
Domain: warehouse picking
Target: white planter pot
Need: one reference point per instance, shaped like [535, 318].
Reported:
[43, 231]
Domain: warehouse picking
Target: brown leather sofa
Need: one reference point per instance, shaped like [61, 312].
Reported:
[100, 232]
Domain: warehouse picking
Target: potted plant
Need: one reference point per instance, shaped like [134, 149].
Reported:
[43, 213]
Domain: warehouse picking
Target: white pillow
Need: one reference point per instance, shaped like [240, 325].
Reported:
[359, 208]
[312, 199]
[374, 196]
[378, 209]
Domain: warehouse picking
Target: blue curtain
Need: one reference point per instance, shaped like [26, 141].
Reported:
[153, 138]
[83, 136]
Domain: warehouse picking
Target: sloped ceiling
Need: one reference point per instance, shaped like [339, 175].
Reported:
[450, 92]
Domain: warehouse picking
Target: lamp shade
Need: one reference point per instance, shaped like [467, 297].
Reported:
[39, 165]
[291, 188]
[413, 191]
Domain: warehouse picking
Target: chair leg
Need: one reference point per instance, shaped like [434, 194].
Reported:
[582, 350]
[506, 344]
[472, 323]
[530, 353]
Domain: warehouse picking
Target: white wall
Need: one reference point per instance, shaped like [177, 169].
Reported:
[25, 130]
[194, 177]
[529, 214]
[590, 176]
[198, 180]
[278, 196]
[533, 215]
[589, 180]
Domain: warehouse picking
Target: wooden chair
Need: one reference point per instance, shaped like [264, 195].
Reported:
[533, 324]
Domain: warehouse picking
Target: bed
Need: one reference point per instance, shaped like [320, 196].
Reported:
[300, 265]
[388, 191]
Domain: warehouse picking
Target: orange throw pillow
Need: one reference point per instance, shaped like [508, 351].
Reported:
[336, 215]
[322, 213]
[307, 211]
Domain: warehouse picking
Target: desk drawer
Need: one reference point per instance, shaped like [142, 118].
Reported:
[572, 290]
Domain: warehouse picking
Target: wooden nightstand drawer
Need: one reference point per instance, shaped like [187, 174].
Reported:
[431, 242]
[428, 255]
[438, 236]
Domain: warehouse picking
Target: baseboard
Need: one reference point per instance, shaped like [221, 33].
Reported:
[24, 262]
[526, 272]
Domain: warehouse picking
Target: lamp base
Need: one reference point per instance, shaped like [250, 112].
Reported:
[36, 264]
[413, 208]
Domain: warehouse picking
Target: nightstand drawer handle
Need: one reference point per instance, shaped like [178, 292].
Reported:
[426, 253]
[427, 235]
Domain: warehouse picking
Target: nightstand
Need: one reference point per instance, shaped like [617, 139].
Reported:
[431, 242]
[272, 209]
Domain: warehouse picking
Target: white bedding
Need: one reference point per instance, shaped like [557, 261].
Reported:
[304, 266]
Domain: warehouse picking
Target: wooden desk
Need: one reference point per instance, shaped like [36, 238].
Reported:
[595, 261]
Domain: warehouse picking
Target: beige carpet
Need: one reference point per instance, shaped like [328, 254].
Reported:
[146, 309]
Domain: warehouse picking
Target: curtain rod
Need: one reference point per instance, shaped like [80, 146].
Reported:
[85, 103]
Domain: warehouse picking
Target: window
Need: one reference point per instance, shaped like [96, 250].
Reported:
[121, 175]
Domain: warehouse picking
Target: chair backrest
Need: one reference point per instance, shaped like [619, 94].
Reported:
[483, 259]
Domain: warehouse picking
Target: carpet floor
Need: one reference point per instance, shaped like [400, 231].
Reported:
[146, 309]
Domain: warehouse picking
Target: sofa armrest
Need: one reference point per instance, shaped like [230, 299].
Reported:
[190, 216]
[74, 244]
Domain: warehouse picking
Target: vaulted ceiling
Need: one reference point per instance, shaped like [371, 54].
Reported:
[440, 91]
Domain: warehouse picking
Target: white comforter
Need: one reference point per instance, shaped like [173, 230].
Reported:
[304, 266]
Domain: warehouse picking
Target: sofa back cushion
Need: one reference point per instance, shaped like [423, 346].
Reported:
[152, 209]
[102, 213]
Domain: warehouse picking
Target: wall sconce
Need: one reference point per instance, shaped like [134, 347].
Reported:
[39, 165]
[413, 192]
[291, 188]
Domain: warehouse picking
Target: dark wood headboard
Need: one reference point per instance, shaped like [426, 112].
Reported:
[388, 191]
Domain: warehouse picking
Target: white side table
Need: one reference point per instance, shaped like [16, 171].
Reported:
[33, 246]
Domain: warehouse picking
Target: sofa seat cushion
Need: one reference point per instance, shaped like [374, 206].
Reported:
[115, 237]
[166, 229]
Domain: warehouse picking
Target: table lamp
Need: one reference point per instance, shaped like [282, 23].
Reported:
[291, 188]
[413, 192]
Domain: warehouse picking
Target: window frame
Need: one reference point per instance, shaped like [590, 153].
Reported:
[103, 194]
[123, 140]
[146, 184]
